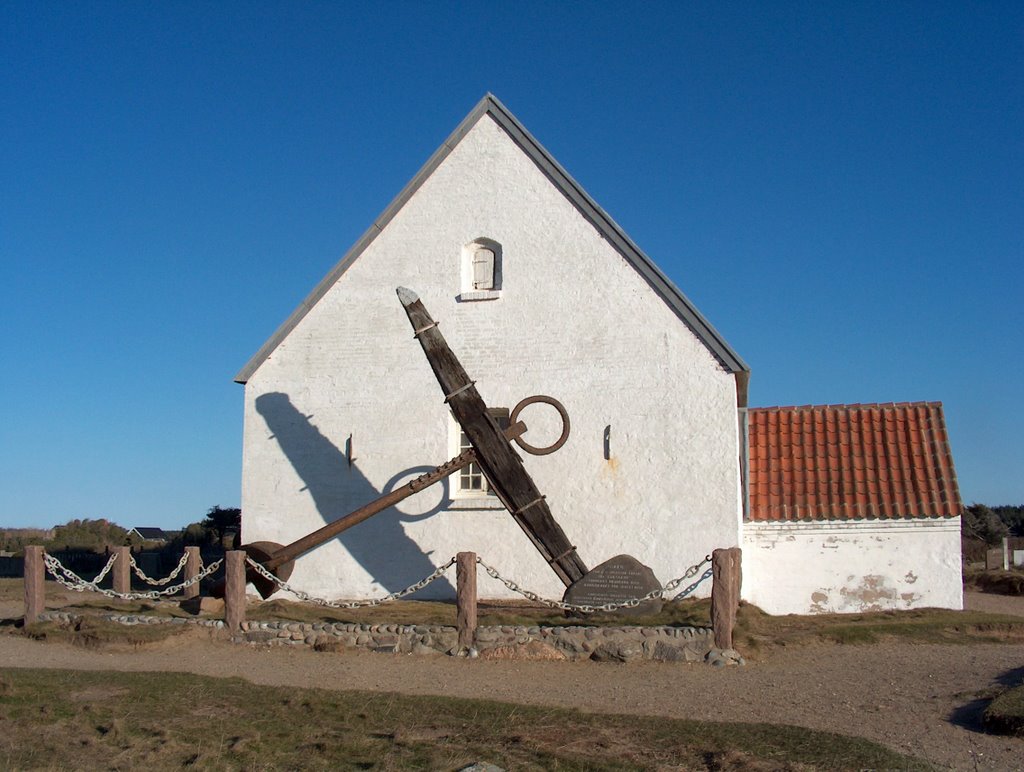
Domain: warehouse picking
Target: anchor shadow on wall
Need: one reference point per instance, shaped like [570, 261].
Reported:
[380, 545]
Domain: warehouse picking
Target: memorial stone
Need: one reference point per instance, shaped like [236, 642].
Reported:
[618, 579]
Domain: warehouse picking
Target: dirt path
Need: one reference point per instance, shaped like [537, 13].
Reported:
[994, 604]
[916, 699]
[925, 700]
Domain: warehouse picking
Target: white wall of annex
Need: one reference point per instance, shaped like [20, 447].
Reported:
[843, 566]
[574, 321]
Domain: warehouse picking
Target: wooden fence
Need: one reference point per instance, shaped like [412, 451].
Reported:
[725, 591]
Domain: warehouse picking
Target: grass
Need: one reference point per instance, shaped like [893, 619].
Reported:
[682, 613]
[93, 632]
[756, 633]
[756, 630]
[72, 719]
[995, 581]
[1005, 714]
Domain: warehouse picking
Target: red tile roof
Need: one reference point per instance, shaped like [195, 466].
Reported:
[841, 462]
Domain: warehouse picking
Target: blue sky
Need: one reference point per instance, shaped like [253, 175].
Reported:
[838, 187]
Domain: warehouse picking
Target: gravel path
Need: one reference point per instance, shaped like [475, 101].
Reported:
[919, 699]
[925, 700]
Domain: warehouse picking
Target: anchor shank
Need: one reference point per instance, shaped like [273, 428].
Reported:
[365, 512]
[502, 465]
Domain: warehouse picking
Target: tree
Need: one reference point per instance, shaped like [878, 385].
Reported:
[980, 522]
[91, 535]
[1012, 516]
[195, 535]
[219, 521]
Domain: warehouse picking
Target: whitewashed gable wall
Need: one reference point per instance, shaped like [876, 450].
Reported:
[574, 320]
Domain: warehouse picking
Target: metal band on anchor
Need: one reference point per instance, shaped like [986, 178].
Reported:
[416, 333]
[459, 390]
[533, 503]
[567, 552]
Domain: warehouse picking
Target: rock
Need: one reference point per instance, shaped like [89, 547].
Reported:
[663, 652]
[534, 650]
[259, 636]
[328, 643]
[202, 605]
[624, 651]
[619, 579]
[481, 766]
[724, 657]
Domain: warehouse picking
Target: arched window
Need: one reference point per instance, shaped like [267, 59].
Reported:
[481, 273]
[483, 268]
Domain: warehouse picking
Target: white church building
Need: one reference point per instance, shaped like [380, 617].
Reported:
[538, 291]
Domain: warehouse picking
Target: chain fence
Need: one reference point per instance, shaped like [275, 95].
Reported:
[305, 596]
[630, 603]
[509, 583]
[73, 581]
[158, 582]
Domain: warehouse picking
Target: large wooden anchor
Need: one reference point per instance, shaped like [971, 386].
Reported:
[491, 449]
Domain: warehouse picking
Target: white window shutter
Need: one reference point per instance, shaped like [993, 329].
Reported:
[483, 269]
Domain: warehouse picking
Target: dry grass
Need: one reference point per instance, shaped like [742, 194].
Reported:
[64, 719]
[1005, 714]
[756, 631]
[682, 613]
[95, 633]
[995, 581]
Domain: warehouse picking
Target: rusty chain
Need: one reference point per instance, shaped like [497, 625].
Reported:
[305, 596]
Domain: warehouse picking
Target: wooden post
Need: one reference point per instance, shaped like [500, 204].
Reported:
[465, 598]
[725, 594]
[35, 578]
[234, 589]
[122, 570]
[191, 571]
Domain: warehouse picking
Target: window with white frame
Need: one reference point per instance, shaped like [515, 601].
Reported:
[471, 482]
[481, 270]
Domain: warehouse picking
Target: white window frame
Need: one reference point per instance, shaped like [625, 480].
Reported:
[463, 495]
[474, 286]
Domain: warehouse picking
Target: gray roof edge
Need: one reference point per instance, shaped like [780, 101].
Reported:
[490, 105]
[617, 237]
[364, 241]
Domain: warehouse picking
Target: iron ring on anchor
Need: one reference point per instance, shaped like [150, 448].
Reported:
[514, 416]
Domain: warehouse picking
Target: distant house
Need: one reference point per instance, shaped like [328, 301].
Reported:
[149, 534]
[539, 291]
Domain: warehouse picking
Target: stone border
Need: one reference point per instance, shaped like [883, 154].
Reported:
[575, 643]
[129, 619]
